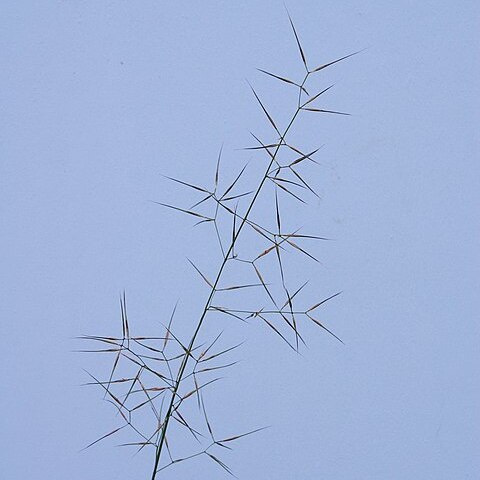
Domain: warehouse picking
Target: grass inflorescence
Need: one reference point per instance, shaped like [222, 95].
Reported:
[152, 379]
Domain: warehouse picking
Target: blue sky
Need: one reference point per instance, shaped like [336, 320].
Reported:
[99, 99]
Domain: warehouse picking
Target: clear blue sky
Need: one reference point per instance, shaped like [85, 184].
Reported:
[98, 99]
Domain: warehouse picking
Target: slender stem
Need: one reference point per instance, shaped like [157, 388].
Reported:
[186, 357]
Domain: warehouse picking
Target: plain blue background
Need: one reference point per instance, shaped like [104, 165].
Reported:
[99, 98]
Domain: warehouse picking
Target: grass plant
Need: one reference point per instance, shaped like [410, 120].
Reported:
[153, 379]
